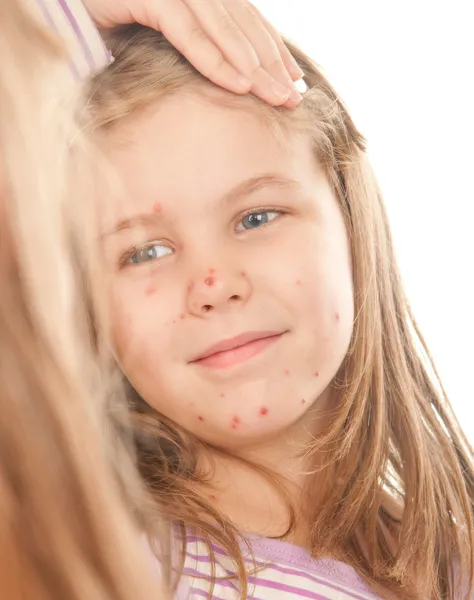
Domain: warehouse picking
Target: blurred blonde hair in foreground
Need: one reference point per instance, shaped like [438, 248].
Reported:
[66, 527]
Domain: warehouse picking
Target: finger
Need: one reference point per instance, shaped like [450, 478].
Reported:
[249, 20]
[182, 29]
[222, 29]
[289, 61]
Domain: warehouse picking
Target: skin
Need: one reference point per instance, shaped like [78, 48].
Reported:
[216, 279]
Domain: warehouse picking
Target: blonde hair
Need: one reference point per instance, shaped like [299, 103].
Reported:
[402, 515]
[66, 527]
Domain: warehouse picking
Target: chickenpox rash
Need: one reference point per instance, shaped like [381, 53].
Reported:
[263, 411]
[337, 316]
[235, 422]
[212, 271]
[212, 498]
[243, 273]
[298, 282]
[222, 395]
[209, 281]
[157, 208]
[182, 316]
[303, 401]
[150, 290]
[200, 418]
[286, 371]
[316, 374]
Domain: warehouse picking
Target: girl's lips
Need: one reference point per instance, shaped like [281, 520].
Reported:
[236, 350]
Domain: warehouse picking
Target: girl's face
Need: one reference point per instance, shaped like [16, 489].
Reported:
[229, 269]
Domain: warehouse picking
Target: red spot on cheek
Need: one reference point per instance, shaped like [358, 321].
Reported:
[298, 282]
[235, 422]
[222, 395]
[150, 290]
[303, 401]
[157, 208]
[287, 372]
[263, 411]
[200, 418]
[316, 374]
[209, 281]
[212, 497]
[243, 273]
[182, 316]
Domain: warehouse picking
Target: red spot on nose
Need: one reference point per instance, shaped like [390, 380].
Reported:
[182, 316]
[263, 411]
[287, 372]
[157, 208]
[150, 290]
[200, 418]
[209, 281]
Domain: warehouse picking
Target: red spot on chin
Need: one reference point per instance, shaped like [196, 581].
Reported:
[209, 281]
[182, 316]
[263, 411]
[157, 208]
[303, 401]
[150, 290]
[200, 418]
[287, 372]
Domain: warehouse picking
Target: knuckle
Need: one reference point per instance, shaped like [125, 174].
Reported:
[227, 24]
[216, 68]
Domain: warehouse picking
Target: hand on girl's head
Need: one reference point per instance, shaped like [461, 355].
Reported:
[229, 42]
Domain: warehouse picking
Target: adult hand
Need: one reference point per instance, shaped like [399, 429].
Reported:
[228, 41]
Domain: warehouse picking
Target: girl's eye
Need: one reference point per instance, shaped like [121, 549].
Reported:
[148, 253]
[258, 219]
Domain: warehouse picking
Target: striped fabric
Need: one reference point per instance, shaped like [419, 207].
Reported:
[70, 21]
[283, 571]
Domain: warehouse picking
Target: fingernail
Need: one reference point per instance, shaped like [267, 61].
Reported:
[295, 96]
[296, 71]
[279, 90]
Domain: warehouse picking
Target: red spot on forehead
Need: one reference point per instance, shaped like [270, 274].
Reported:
[209, 281]
[157, 208]
[150, 290]
[200, 418]
[263, 411]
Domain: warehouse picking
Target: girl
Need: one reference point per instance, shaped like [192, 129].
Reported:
[289, 419]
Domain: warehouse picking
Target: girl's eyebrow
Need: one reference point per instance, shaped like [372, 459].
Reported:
[253, 184]
[243, 188]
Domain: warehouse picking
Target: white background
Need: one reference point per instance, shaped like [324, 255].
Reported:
[406, 71]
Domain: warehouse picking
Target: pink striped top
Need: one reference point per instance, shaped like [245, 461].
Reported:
[283, 571]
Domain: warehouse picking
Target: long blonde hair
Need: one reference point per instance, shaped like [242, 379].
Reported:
[66, 527]
[402, 515]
